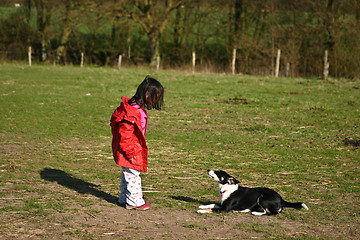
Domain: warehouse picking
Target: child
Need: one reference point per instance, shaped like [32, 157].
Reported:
[128, 124]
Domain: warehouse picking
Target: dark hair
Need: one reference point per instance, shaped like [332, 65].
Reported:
[156, 94]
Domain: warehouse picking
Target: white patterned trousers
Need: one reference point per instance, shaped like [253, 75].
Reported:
[130, 187]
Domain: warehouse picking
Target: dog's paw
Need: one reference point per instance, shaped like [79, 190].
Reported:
[258, 213]
[204, 211]
[203, 206]
[245, 211]
[207, 206]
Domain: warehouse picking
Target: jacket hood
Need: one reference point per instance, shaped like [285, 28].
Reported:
[124, 111]
[119, 112]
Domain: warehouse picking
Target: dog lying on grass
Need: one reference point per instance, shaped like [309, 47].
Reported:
[258, 201]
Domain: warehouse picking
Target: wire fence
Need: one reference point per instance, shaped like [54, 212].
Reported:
[101, 58]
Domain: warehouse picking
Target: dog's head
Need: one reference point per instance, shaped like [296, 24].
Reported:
[222, 177]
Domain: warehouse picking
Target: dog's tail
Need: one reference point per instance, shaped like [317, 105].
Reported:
[297, 205]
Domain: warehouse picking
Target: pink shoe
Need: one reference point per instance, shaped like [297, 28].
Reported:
[142, 207]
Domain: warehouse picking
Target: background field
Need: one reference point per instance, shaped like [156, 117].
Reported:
[58, 179]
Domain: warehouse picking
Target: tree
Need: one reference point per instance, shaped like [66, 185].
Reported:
[43, 16]
[153, 17]
[66, 29]
[73, 12]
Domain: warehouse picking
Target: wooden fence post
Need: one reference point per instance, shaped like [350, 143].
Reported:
[157, 63]
[287, 69]
[234, 61]
[29, 54]
[326, 65]
[277, 63]
[82, 60]
[119, 62]
[193, 62]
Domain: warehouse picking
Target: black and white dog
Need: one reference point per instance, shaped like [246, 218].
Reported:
[258, 201]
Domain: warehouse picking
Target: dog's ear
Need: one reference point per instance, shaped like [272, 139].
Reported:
[232, 180]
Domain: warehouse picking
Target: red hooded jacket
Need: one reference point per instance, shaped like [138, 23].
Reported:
[128, 140]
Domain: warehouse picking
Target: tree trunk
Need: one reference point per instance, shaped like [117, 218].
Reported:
[237, 22]
[61, 49]
[237, 28]
[43, 10]
[153, 22]
[154, 38]
[175, 55]
[329, 25]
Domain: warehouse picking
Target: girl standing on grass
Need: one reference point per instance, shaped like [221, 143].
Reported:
[128, 124]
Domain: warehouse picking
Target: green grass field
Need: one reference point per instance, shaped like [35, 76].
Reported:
[298, 136]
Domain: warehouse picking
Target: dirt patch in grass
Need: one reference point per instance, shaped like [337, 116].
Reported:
[66, 207]
[352, 142]
[237, 100]
[106, 221]
[52, 203]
